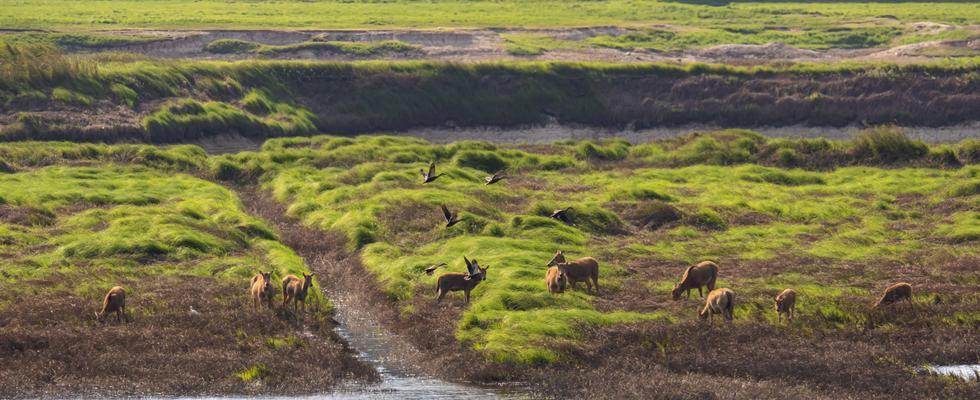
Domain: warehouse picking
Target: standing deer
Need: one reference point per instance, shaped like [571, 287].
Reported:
[720, 301]
[262, 290]
[704, 273]
[455, 281]
[555, 280]
[295, 290]
[786, 304]
[114, 302]
[581, 270]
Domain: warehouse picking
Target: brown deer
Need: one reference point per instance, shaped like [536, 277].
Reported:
[786, 304]
[720, 301]
[455, 281]
[581, 270]
[295, 290]
[114, 302]
[704, 273]
[895, 293]
[555, 280]
[262, 289]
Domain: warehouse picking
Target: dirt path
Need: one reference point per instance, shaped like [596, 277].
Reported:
[491, 44]
[406, 371]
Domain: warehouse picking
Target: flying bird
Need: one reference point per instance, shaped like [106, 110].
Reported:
[494, 178]
[431, 175]
[562, 215]
[451, 217]
[472, 268]
[432, 268]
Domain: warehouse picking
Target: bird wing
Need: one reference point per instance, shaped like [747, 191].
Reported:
[432, 169]
[469, 265]
[445, 212]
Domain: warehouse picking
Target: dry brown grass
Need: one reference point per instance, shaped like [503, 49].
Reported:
[51, 346]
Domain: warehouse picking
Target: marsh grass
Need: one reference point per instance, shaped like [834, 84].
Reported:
[367, 189]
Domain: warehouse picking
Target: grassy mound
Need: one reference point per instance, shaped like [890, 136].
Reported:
[766, 226]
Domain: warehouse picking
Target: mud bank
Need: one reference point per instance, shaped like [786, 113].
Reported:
[558, 132]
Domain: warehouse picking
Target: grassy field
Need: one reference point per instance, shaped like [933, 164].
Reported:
[662, 26]
[768, 227]
[61, 14]
[837, 221]
[77, 220]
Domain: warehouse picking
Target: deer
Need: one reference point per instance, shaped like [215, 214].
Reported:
[555, 280]
[704, 273]
[719, 301]
[455, 281]
[786, 304]
[895, 293]
[114, 302]
[295, 290]
[261, 289]
[581, 270]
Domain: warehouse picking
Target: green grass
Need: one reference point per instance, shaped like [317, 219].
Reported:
[99, 225]
[363, 49]
[48, 14]
[367, 188]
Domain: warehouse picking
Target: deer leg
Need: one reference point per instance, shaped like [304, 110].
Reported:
[588, 286]
[595, 280]
[441, 294]
[466, 294]
[700, 293]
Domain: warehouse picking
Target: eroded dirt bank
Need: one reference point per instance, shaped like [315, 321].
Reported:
[288, 99]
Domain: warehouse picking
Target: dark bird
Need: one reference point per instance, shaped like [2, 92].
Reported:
[432, 268]
[431, 175]
[496, 177]
[473, 269]
[451, 217]
[562, 215]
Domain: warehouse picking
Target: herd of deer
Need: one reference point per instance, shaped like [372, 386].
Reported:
[560, 273]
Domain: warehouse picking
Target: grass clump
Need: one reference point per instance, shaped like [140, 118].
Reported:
[887, 145]
[231, 46]
[364, 49]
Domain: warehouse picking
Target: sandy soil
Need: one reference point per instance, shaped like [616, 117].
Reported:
[488, 44]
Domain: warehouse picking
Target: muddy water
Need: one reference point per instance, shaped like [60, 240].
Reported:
[389, 355]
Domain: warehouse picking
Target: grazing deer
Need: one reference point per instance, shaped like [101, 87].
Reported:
[720, 301]
[562, 215]
[431, 175]
[451, 217]
[581, 270]
[114, 302]
[262, 289]
[895, 293]
[786, 304]
[495, 177]
[696, 276]
[454, 281]
[555, 280]
[295, 290]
